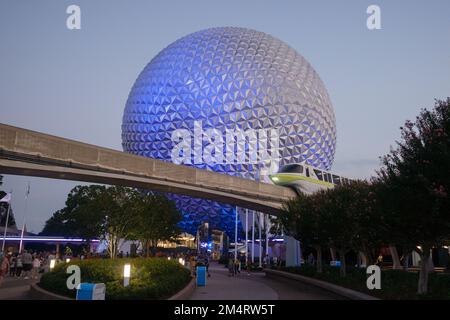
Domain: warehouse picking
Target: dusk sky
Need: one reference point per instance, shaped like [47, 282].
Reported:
[75, 83]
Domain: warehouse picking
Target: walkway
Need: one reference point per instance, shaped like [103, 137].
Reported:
[15, 289]
[255, 287]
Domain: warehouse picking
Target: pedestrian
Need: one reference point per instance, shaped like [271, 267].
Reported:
[27, 261]
[19, 265]
[12, 265]
[36, 267]
[266, 260]
[207, 265]
[379, 261]
[237, 265]
[275, 261]
[230, 266]
[193, 264]
[311, 259]
[4, 266]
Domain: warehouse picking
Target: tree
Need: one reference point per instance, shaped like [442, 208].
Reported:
[301, 219]
[83, 214]
[57, 226]
[367, 226]
[417, 174]
[344, 218]
[334, 211]
[119, 208]
[157, 219]
[96, 212]
[4, 212]
[389, 208]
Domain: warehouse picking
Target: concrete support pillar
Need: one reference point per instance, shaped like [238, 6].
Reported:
[293, 252]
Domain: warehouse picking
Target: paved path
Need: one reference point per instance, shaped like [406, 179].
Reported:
[255, 286]
[219, 286]
[15, 289]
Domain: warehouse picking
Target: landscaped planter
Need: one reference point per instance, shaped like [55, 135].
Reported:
[153, 278]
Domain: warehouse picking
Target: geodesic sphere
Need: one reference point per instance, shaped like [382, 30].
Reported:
[231, 79]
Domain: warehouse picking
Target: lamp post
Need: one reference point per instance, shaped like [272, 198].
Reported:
[260, 239]
[52, 264]
[246, 236]
[126, 274]
[267, 224]
[6, 227]
[253, 237]
[235, 233]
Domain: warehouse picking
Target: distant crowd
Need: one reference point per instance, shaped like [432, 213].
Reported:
[24, 265]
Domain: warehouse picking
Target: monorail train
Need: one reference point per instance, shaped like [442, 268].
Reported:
[305, 178]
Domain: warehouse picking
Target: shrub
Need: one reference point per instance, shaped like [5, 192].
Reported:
[151, 278]
[395, 284]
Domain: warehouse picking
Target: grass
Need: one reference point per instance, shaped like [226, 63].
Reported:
[395, 284]
[151, 278]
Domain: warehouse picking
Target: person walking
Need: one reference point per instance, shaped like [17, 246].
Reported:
[231, 266]
[236, 266]
[266, 261]
[27, 261]
[311, 259]
[19, 266]
[193, 264]
[207, 265]
[36, 267]
[12, 265]
[4, 267]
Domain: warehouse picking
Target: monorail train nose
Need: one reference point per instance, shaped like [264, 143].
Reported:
[274, 178]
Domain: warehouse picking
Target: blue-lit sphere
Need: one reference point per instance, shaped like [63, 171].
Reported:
[229, 79]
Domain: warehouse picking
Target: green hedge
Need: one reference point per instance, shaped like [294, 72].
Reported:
[395, 284]
[151, 278]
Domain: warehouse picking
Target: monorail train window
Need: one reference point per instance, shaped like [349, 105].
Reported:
[318, 174]
[329, 177]
[291, 168]
[325, 177]
[336, 179]
[307, 172]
